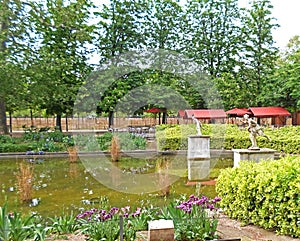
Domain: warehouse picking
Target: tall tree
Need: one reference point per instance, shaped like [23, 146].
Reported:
[258, 53]
[60, 65]
[162, 25]
[119, 31]
[284, 88]
[13, 32]
[211, 34]
[119, 27]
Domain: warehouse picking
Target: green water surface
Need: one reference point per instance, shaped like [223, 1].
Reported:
[65, 187]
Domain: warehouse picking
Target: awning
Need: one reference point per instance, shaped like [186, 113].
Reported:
[205, 113]
[269, 111]
[155, 110]
[238, 112]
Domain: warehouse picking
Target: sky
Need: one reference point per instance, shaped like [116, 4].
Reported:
[287, 13]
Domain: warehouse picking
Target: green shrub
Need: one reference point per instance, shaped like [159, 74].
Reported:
[128, 141]
[10, 147]
[174, 137]
[265, 194]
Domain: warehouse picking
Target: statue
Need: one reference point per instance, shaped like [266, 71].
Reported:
[254, 130]
[198, 125]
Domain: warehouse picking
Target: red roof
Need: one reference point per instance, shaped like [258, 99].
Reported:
[180, 113]
[269, 111]
[205, 113]
[155, 110]
[238, 112]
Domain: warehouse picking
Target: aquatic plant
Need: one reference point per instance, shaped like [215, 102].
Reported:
[73, 154]
[24, 178]
[115, 148]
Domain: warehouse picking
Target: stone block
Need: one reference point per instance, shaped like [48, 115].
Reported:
[159, 230]
[252, 155]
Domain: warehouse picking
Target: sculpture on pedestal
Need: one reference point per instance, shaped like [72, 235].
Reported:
[198, 125]
[255, 130]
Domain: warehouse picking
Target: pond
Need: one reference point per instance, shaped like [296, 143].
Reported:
[63, 186]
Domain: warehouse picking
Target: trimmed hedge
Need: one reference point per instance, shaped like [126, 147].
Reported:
[174, 137]
[12, 147]
[265, 194]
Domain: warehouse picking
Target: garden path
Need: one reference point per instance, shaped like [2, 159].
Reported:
[228, 228]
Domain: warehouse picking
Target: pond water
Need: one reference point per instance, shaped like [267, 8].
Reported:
[60, 186]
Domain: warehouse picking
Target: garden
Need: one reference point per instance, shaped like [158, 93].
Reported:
[264, 194]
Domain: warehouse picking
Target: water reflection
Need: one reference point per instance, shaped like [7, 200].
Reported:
[63, 186]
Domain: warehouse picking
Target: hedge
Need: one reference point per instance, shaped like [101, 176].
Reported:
[266, 194]
[11, 147]
[174, 137]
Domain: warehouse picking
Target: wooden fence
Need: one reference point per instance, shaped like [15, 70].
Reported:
[84, 123]
[101, 123]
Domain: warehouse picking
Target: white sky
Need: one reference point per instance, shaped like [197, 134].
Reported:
[287, 13]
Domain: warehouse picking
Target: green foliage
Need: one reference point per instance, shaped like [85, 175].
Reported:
[45, 140]
[258, 61]
[173, 137]
[59, 63]
[128, 141]
[213, 34]
[285, 91]
[105, 141]
[264, 194]
[20, 147]
[13, 226]
[284, 139]
[191, 221]
[64, 224]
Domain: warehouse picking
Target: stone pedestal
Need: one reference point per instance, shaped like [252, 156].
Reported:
[198, 157]
[161, 230]
[198, 147]
[252, 155]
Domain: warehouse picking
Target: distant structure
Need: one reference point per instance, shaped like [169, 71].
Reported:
[198, 125]
[254, 130]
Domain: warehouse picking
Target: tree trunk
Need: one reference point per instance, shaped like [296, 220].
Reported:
[10, 123]
[110, 119]
[58, 122]
[67, 124]
[164, 118]
[3, 126]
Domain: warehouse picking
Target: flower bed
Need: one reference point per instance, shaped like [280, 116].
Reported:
[192, 221]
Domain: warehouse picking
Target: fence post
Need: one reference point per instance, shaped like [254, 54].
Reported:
[121, 227]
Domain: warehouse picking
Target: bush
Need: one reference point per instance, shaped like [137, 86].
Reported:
[10, 147]
[174, 137]
[265, 194]
[128, 141]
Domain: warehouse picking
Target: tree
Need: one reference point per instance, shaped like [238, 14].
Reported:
[119, 27]
[60, 65]
[284, 89]
[211, 34]
[13, 34]
[119, 31]
[258, 54]
[162, 26]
